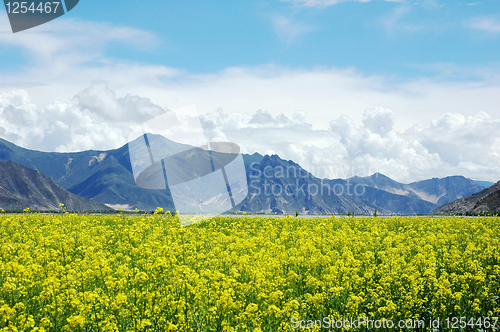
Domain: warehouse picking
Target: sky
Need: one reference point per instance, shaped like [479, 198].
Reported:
[410, 89]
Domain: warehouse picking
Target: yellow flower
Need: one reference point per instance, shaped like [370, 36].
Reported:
[73, 272]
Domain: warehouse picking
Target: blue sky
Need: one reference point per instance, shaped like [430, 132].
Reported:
[376, 37]
[407, 88]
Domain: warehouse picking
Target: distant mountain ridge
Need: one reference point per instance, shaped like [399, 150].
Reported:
[485, 184]
[273, 190]
[106, 177]
[436, 191]
[487, 200]
[419, 197]
[22, 187]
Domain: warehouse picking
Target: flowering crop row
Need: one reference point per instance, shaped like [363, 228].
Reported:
[146, 273]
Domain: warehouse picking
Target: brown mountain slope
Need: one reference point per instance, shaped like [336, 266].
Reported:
[22, 187]
[486, 200]
[490, 203]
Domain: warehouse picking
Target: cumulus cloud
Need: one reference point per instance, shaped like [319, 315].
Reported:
[373, 144]
[102, 101]
[379, 120]
[68, 61]
[96, 119]
[263, 119]
[449, 145]
[461, 140]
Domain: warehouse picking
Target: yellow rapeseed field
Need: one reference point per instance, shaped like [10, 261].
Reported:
[71, 272]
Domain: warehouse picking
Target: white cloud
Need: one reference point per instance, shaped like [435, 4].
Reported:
[101, 100]
[288, 30]
[73, 41]
[96, 119]
[67, 65]
[348, 148]
[321, 3]
[393, 21]
[484, 23]
[379, 121]
[70, 54]
[459, 139]
[430, 4]
[451, 144]
[321, 117]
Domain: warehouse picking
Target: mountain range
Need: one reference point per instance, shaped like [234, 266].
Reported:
[275, 185]
[487, 200]
[22, 187]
